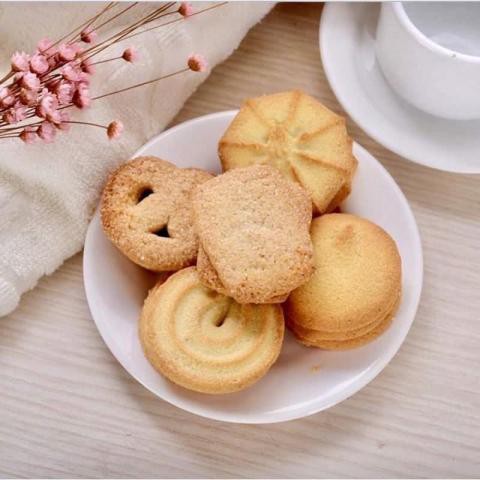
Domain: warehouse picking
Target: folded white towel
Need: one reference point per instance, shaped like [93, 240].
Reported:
[49, 191]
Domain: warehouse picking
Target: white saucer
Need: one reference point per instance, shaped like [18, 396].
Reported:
[347, 33]
[304, 380]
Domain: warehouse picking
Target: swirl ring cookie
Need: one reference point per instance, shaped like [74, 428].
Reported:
[205, 341]
[147, 214]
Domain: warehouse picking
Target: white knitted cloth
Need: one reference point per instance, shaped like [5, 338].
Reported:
[49, 191]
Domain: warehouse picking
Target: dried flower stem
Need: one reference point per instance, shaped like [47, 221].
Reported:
[157, 13]
[217, 5]
[86, 24]
[131, 87]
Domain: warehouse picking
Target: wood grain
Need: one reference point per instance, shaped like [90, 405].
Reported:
[68, 409]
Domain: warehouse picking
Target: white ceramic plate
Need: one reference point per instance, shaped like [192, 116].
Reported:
[304, 380]
[347, 36]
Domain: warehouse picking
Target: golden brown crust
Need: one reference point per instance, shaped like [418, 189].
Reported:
[298, 135]
[205, 341]
[253, 226]
[312, 338]
[208, 276]
[355, 290]
[357, 275]
[146, 212]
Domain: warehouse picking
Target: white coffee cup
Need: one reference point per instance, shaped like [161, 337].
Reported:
[429, 53]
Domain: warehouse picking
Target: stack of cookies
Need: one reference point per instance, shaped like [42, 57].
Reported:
[354, 292]
[240, 255]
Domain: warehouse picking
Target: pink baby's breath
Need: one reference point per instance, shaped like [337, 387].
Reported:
[45, 85]
[64, 91]
[87, 66]
[27, 97]
[131, 55]
[114, 129]
[64, 124]
[48, 104]
[28, 135]
[70, 72]
[30, 81]
[197, 63]
[54, 117]
[39, 64]
[84, 78]
[6, 97]
[81, 98]
[45, 44]
[46, 131]
[20, 62]
[67, 52]
[15, 114]
[88, 36]
[185, 9]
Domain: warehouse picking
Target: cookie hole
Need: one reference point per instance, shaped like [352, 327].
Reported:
[220, 321]
[162, 232]
[144, 194]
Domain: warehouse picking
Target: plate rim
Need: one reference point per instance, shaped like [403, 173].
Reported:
[257, 419]
[328, 13]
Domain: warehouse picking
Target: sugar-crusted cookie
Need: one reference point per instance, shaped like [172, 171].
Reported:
[207, 342]
[209, 277]
[295, 133]
[147, 213]
[253, 226]
[355, 289]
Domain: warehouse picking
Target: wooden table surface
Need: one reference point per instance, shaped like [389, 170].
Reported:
[67, 408]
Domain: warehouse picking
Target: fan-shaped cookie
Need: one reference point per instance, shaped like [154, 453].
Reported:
[253, 227]
[298, 135]
[147, 213]
[207, 342]
[355, 289]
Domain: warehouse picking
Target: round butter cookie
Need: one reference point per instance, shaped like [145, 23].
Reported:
[205, 341]
[147, 213]
[343, 340]
[355, 289]
[298, 135]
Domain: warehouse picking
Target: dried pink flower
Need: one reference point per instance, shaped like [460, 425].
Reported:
[114, 129]
[131, 55]
[39, 64]
[47, 106]
[6, 97]
[46, 131]
[81, 98]
[54, 117]
[28, 135]
[64, 121]
[30, 81]
[88, 36]
[64, 91]
[84, 78]
[70, 72]
[27, 97]
[87, 66]
[185, 9]
[20, 61]
[197, 63]
[52, 58]
[45, 44]
[15, 114]
[67, 52]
